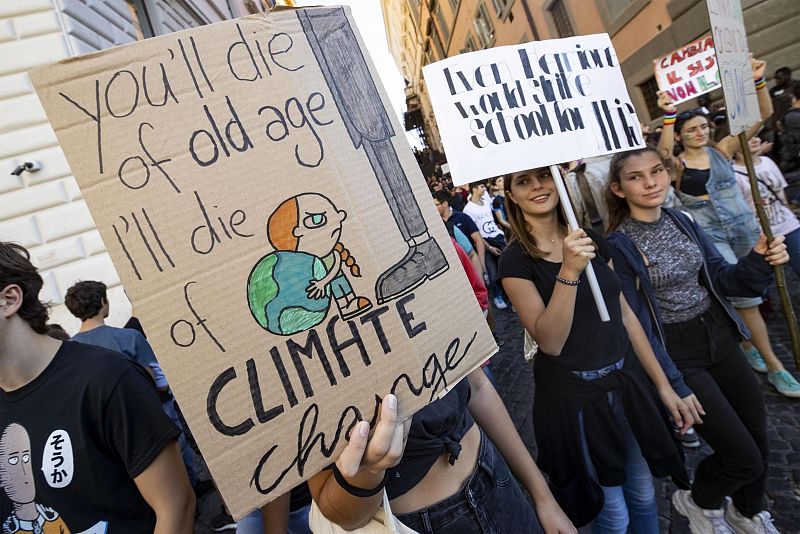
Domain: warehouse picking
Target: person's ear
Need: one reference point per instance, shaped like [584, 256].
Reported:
[10, 300]
[297, 231]
[342, 215]
[616, 188]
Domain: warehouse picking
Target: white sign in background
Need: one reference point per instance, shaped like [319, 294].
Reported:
[531, 105]
[689, 71]
[733, 57]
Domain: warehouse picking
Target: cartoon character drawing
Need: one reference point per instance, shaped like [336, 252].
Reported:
[290, 290]
[359, 103]
[16, 479]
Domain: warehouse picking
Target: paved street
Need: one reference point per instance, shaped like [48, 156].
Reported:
[515, 383]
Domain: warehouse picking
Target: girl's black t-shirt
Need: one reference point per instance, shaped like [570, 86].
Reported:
[75, 437]
[591, 344]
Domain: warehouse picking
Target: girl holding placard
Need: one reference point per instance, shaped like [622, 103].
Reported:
[600, 425]
[677, 282]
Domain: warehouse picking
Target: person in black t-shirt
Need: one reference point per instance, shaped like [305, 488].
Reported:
[596, 416]
[84, 444]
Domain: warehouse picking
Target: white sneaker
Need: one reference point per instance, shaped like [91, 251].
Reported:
[700, 521]
[761, 523]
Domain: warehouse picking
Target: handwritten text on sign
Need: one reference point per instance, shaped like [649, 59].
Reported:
[730, 39]
[269, 221]
[689, 71]
[516, 107]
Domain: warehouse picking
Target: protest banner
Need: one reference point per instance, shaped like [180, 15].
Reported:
[689, 71]
[519, 107]
[270, 223]
[741, 103]
[733, 57]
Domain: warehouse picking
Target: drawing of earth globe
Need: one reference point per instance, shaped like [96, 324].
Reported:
[276, 292]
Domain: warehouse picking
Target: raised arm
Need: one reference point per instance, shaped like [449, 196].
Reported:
[666, 144]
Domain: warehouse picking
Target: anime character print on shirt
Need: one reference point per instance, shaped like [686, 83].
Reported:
[290, 290]
[16, 479]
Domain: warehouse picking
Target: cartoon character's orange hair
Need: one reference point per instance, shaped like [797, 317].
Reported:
[281, 224]
[280, 233]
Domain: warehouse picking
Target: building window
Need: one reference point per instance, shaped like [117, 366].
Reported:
[500, 6]
[442, 23]
[561, 19]
[469, 46]
[649, 90]
[483, 27]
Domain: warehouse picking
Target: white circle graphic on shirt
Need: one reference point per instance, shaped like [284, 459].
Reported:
[57, 462]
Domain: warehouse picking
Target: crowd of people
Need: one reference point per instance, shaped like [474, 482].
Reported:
[672, 236]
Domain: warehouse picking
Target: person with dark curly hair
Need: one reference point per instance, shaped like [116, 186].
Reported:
[83, 439]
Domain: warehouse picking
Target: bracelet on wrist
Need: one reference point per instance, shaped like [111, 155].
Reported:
[567, 282]
[354, 490]
[669, 118]
[761, 83]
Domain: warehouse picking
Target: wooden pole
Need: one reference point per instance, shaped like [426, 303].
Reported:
[573, 225]
[780, 280]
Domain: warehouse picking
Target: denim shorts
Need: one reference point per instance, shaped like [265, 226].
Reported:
[491, 502]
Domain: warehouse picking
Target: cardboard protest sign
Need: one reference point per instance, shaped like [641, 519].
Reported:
[272, 227]
[518, 107]
[689, 71]
[733, 56]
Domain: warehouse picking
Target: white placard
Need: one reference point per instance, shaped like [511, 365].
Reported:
[733, 56]
[531, 105]
[689, 71]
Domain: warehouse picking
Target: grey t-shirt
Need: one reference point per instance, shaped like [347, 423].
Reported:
[674, 262]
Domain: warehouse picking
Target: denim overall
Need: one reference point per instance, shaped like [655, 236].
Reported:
[726, 217]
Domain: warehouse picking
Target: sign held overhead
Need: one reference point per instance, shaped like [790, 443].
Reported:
[689, 71]
[518, 107]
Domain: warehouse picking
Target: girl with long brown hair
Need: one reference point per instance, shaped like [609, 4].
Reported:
[600, 425]
[676, 281]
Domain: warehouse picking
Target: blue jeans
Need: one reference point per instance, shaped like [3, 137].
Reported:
[633, 503]
[491, 502]
[792, 243]
[253, 523]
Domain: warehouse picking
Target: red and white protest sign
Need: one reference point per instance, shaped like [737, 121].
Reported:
[689, 71]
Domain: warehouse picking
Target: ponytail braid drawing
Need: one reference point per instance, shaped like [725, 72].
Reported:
[348, 259]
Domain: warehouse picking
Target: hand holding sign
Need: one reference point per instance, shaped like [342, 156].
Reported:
[665, 102]
[578, 252]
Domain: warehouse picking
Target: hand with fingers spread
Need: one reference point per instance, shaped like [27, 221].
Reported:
[578, 251]
[775, 253]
